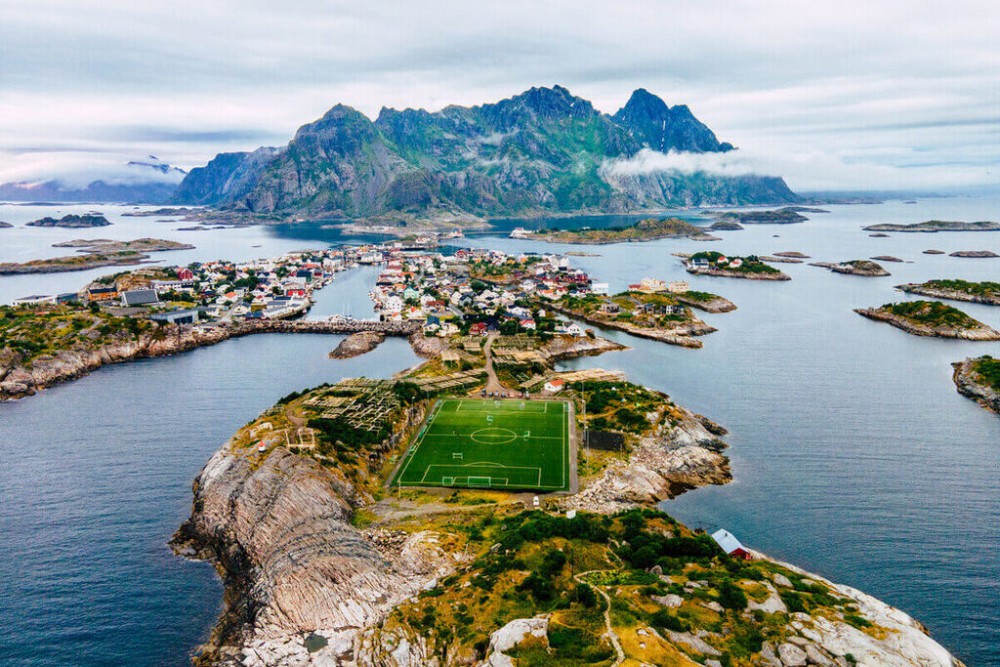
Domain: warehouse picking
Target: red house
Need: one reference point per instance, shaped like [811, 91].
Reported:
[296, 292]
[728, 542]
[478, 329]
[185, 274]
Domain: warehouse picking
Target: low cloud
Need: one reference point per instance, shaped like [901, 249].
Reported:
[75, 169]
[809, 169]
[649, 161]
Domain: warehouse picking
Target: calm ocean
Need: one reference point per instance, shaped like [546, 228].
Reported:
[854, 456]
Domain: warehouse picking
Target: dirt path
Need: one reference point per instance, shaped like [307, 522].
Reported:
[612, 635]
[493, 384]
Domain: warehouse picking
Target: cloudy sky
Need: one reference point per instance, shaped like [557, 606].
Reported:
[852, 94]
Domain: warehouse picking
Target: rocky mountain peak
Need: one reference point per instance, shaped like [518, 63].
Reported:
[664, 128]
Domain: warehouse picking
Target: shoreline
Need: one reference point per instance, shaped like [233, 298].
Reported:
[953, 295]
[918, 329]
[18, 382]
[967, 385]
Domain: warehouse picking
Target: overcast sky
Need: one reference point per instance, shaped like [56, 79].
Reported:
[852, 94]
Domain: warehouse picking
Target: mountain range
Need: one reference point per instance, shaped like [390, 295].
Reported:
[541, 152]
[149, 180]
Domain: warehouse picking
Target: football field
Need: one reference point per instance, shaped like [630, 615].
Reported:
[490, 444]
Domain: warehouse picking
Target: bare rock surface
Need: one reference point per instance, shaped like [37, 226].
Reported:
[357, 344]
[279, 531]
[512, 634]
[676, 459]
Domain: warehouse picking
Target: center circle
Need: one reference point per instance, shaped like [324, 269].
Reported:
[493, 436]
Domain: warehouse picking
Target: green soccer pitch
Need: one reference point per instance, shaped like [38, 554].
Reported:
[491, 444]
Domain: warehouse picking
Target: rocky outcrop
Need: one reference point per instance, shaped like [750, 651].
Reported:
[514, 633]
[716, 304]
[933, 226]
[561, 348]
[898, 639]
[974, 254]
[357, 344]
[19, 378]
[857, 267]
[977, 331]
[987, 297]
[681, 455]
[969, 384]
[428, 347]
[301, 581]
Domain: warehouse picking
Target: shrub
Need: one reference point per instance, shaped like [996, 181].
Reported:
[731, 596]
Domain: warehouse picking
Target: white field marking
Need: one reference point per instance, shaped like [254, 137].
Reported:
[457, 455]
[565, 444]
[420, 440]
[483, 464]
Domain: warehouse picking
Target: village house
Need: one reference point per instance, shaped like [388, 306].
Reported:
[554, 386]
[732, 546]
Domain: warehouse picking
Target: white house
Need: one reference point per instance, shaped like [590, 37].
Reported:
[554, 386]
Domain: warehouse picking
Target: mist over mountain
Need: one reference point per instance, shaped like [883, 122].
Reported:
[149, 180]
[543, 151]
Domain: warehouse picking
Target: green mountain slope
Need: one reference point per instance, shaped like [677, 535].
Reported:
[543, 151]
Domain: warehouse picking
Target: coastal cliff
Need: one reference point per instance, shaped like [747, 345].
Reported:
[301, 581]
[976, 379]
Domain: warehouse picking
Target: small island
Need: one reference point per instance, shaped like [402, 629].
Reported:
[975, 254]
[934, 226]
[782, 216]
[725, 226]
[717, 264]
[72, 221]
[957, 290]
[644, 230]
[887, 258]
[357, 344]
[97, 253]
[931, 318]
[651, 315]
[5, 225]
[979, 379]
[855, 267]
[160, 212]
[934, 252]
